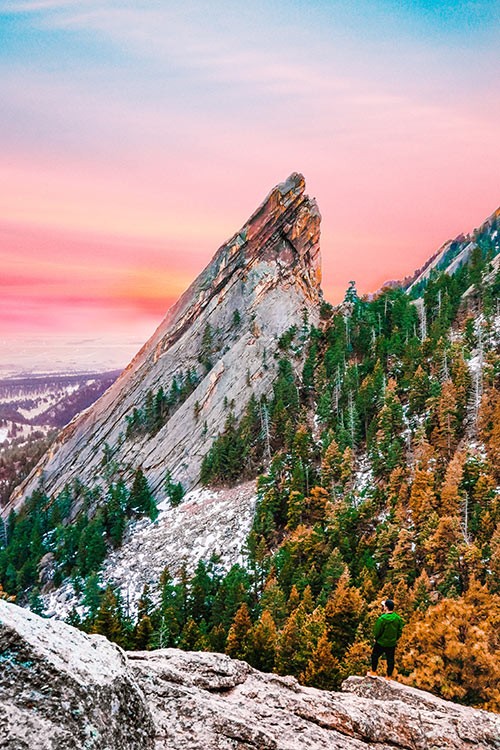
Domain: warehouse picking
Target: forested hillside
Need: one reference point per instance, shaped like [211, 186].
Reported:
[379, 460]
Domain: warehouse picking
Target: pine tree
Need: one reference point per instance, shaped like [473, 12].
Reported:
[201, 594]
[108, 620]
[331, 573]
[403, 563]
[343, 612]
[322, 670]
[422, 497]
[207, 345]
[331, 466]
[489, 427]
[239, 640]
[92, 546]
[291, 657]
[386, 447]
[192, 637]
[445, 434]
[141, 498]
[451, 496]
[452, 649]
[263, 643]
[355, 659]
[174, 490]
[114, 515]
[145, 604]
[419, 391]
[442, 554]
[273, 600]
[143, 634]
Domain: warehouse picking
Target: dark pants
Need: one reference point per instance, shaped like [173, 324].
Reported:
[377, 652]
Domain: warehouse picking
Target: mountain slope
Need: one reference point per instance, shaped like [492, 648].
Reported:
[455, 253]
[379, 444]
[213, 349]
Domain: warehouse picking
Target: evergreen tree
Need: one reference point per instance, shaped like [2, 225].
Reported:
[343, 613]
[322, 670]
[141, 499]
[452, 649]
[114, 514]
[239, 640]
[174, 490]
[108, 620]
[143, 634]
[92, 546]
[262, 652]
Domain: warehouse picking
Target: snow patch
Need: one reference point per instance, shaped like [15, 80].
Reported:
[206, 523]
[363, 474]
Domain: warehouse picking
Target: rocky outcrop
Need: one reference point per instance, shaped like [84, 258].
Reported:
[454, 253]
[208, 701]
[258, 285]
[63, 689]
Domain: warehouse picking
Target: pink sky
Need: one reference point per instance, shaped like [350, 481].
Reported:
[135, 140]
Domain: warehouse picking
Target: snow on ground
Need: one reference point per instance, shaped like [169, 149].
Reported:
[21, 430]
[35, 411]
[207, 522]
[363, 475]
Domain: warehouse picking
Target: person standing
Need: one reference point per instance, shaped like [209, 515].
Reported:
[387, 632]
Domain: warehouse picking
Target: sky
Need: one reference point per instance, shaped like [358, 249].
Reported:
[136, 137]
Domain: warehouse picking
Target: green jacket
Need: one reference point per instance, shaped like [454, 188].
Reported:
[388, 629]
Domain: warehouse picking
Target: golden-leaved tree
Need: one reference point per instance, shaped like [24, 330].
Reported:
[453, 649]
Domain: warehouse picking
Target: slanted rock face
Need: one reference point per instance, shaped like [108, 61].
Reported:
[60, 688]
[257, 285]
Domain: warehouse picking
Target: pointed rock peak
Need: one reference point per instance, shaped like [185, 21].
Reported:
[287, 212]
[215, 347]
[279, 244]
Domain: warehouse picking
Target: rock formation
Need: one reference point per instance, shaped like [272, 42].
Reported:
[454, 253]
[60, 688]
[257, 285]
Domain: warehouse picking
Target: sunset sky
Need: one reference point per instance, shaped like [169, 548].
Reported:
[136, 137]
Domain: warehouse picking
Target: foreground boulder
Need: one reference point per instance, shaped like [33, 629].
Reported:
[208, 701]
[60, 688]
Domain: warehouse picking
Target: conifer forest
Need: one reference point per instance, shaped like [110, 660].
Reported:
[377, 458]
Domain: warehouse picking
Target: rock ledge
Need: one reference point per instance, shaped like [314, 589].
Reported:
[69, 689]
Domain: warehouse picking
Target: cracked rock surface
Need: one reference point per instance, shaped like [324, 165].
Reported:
[61, 689]
[209, 701]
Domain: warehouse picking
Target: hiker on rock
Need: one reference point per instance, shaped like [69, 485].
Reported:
[387, 632]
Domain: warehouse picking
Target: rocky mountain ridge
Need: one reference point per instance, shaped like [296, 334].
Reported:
[65, 688]
[454, 253]
[220, 335]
